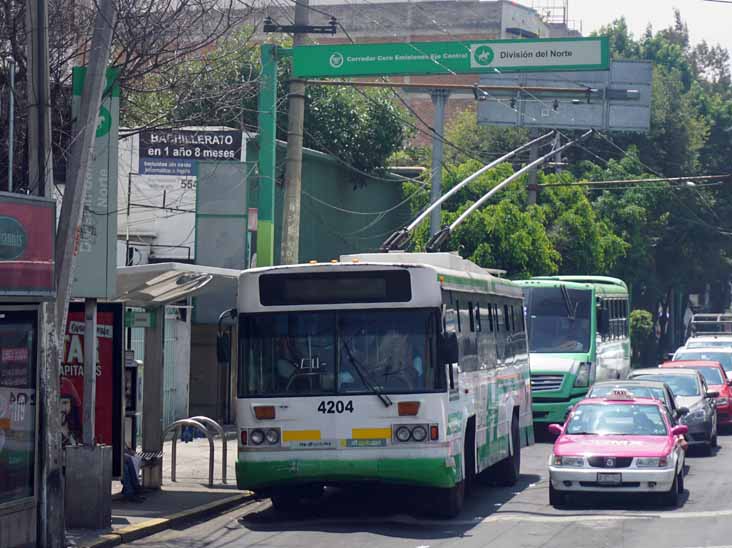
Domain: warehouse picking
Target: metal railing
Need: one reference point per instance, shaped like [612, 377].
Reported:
[216, 426]
[200, 423]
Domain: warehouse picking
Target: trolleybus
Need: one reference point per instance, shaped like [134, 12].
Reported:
[578, 334]
[402, 368]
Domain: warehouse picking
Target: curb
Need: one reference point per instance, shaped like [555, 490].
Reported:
[152, 526]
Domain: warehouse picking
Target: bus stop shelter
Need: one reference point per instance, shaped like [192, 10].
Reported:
[152, 287]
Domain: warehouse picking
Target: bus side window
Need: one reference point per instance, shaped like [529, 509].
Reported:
[490, 317]
[506, 318]
[477, 317]
[457, 312]
[513, 320]
[471, 318]
[497, 317]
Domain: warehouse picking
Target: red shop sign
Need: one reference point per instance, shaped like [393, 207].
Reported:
[27, 228]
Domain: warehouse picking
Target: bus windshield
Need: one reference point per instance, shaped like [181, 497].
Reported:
[339, 352]
[559, 319]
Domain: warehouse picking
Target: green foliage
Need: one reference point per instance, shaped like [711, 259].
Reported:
[641, 326]
[641, 337]
[363, 128]
[485, 142]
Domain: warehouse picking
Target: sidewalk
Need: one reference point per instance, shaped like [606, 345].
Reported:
[187, 498]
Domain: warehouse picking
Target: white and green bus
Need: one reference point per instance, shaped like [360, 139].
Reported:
[402, 368]
[578, 334]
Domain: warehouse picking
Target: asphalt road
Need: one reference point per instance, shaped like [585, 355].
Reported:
[497, 517]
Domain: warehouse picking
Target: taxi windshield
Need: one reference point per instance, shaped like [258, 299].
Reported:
[624, 419]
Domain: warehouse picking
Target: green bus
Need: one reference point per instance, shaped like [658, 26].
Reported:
[578, 334]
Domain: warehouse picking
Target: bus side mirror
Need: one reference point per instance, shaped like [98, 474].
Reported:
[449, 348]
[603, 321]
[223, 347]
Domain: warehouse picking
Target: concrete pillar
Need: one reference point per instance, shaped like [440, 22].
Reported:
[152, 403]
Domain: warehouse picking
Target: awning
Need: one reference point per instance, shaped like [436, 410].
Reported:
[163, 283]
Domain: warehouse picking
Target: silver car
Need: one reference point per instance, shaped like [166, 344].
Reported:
[690, 391]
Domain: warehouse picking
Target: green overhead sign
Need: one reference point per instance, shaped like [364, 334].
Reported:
[479, 56]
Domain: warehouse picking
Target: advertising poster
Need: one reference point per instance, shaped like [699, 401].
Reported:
[18, 351]
[177, 152]
[108, 371]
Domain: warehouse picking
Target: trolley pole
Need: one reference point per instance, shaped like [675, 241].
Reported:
[532, 187]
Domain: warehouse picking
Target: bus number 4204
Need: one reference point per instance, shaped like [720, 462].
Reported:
[332, 407]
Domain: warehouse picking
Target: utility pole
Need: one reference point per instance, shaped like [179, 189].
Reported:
[533, 155]
[50, 516]
[439, 100]
[293, 167]
[90, 370]
[81, 154]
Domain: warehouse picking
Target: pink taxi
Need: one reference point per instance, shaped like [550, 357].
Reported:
[617, 444]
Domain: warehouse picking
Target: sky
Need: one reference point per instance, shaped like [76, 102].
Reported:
[708, 21]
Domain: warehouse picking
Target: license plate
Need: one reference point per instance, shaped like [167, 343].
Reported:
[609, 479]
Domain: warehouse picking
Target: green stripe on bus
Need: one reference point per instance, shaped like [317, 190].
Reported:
[424, 472]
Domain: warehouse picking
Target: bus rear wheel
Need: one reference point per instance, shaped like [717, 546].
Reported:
[288, 499]
[508, 470]
[448, 503]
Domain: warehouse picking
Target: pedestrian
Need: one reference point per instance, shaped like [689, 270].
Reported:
[130, 483]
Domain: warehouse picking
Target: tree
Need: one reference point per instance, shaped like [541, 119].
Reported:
[150, 37]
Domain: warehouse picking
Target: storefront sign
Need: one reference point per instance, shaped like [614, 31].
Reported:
[177, 151]
[27, 228]
[18, 344]
[135, 318]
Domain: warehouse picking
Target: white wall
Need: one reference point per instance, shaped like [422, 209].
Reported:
[148, 225]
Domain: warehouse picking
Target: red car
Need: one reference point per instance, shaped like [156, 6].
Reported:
[716, 380]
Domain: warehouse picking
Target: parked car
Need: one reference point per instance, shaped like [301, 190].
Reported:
[690, 391]
[641, 388]
[619, 443]
[716, 380]
[722, 355]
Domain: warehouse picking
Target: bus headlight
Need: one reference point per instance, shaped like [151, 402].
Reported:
[272, 436]
[419, 433]
[256, 437]
[583, 375]
[403, 434]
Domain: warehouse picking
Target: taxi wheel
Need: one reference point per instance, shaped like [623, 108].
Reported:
[557, 499]
[671, 498]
